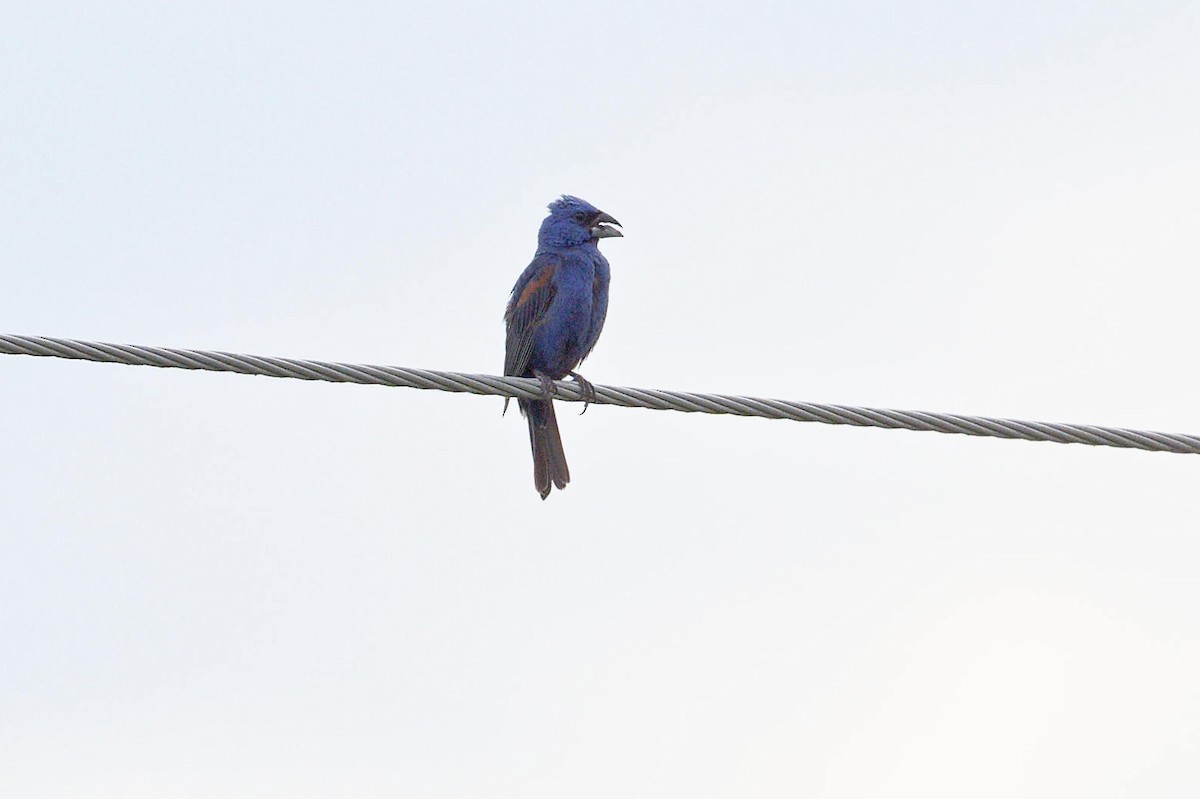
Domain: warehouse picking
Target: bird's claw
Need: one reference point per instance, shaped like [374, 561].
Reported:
[586, 390]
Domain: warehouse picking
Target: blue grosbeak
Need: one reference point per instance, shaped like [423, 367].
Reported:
[553, 320]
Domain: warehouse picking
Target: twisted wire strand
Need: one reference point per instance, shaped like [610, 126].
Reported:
[653, 399]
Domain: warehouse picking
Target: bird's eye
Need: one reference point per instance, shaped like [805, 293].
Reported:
[580, 216]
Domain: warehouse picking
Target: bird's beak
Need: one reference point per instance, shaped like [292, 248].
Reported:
[600, 230]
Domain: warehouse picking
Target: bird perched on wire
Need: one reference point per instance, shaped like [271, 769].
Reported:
[553, 319]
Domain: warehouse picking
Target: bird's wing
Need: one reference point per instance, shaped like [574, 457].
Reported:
[526, 311]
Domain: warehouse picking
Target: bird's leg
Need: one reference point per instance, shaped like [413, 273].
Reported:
[586, 390]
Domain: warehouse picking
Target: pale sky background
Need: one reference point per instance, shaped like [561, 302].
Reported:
[215, 585]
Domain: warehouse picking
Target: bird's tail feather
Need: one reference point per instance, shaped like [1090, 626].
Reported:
[549, 460]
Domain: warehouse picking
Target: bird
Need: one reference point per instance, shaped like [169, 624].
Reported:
[553, 319]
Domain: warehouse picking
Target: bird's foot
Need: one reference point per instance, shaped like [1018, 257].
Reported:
[586, 390]
[547, 385]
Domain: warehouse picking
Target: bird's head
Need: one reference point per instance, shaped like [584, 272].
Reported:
[573, 222]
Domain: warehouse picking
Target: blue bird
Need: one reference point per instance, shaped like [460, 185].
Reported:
[553, 319]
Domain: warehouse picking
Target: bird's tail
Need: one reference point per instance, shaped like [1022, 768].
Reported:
[549, 460]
